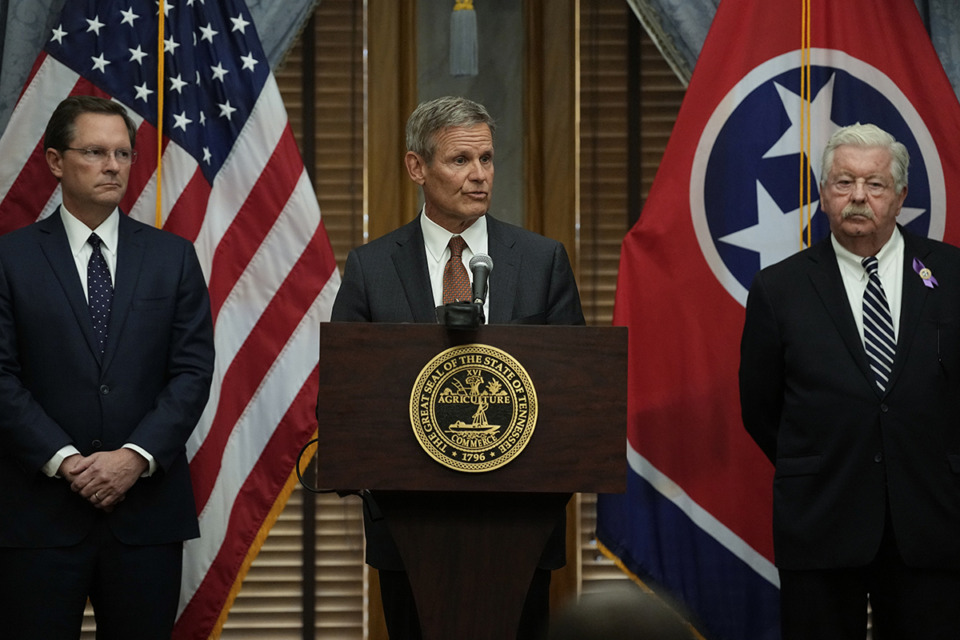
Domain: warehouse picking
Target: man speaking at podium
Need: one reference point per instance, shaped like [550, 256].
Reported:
[405, 275]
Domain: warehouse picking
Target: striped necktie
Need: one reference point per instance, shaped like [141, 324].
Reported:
[878, 337]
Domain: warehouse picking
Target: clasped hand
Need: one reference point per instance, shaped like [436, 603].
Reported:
[103, 478]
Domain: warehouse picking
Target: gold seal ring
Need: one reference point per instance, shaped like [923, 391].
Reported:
[473, 408]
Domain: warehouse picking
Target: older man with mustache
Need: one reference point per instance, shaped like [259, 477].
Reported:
[850, 383]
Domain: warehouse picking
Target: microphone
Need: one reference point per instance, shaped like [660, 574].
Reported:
[480, 266]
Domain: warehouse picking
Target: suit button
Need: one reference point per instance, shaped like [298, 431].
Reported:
[104, 389]
[96, 444]
[878, 457]
[884, 408]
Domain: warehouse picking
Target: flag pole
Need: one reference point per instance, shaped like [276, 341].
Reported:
[158, 222]
[806, 126]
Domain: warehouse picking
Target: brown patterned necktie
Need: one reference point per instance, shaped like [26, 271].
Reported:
[456, 281]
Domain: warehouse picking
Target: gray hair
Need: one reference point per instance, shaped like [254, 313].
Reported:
[433, 116]
[868, 135]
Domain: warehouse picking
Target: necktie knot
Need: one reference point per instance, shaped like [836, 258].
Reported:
[94, 241]
[871, 264]
[457, 245]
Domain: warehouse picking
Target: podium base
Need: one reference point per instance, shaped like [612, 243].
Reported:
[470, 557]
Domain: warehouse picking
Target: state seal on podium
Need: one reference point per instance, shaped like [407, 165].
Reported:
[473, 408]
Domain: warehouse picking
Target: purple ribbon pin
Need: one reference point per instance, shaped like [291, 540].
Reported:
[925, 274]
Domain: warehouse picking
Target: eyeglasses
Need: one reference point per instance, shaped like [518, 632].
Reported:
[874, 187]
[99, 155]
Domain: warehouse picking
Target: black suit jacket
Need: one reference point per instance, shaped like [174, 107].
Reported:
[149, 388]
[845, 452]
[387, 280]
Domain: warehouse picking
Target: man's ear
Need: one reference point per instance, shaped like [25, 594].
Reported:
[415, 165]
[55, 162]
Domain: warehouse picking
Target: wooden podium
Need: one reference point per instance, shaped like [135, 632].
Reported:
[471, 541]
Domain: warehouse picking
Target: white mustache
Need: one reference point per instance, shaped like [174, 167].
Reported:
[857, 210]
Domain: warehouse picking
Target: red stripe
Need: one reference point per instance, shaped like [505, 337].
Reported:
[251, 507]
[258, 353]
[255, 219]
[189, 211]
[34, 185]
[144, 168]
[28, 194]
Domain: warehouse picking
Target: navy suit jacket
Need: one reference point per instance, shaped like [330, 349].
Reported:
[388, 280]
[149, 388]
[844, 452]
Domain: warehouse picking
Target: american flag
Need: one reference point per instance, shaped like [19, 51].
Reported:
[233, 182]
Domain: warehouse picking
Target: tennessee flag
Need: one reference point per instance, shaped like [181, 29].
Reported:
[738, 190]
[234, 184]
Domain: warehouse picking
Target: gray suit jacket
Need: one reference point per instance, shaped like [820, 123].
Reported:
[387, 280]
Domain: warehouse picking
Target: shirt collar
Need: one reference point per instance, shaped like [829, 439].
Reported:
[436, 238]
[853, 263]
[78, 233]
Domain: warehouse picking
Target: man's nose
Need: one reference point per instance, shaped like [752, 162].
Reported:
[859, 192]
[478, 171]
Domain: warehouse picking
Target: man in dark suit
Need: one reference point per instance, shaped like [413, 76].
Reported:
[400, 278]
[850, 383]
[106, 358]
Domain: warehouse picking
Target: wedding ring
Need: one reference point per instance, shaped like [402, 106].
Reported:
[97, 495]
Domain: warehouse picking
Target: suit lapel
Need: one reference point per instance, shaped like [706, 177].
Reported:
[129, 261]
[827, 281]
[913, 295]
[56, 249]
[411, 265]
[506, 270]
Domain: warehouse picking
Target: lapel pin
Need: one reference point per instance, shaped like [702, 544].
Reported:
[925, 274]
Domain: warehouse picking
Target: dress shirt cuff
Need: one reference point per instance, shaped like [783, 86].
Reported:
[52, 468]
[152, 468]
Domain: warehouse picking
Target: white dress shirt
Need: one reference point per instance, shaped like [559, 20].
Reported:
[436, 240]
[77, 235]
[890, 270]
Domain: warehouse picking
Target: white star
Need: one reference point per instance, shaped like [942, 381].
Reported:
[58, 34]
[249, 62]
[190, 2]
[821, 126]
[219, 72]
[226, 110]
[776, 235]
[177, 84]
[95, 25]
[909, 214]
[166, 8]
[207, 155]
[181, 121]
[100, 63]
[170, 46]
[143, 92]
[239, 24]
[208, 33]
[128, 17]
[203, 118]
[137, 55]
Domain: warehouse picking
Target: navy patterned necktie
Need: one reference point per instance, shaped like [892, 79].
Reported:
[99, 291]
[878, 337]
[456, 281]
